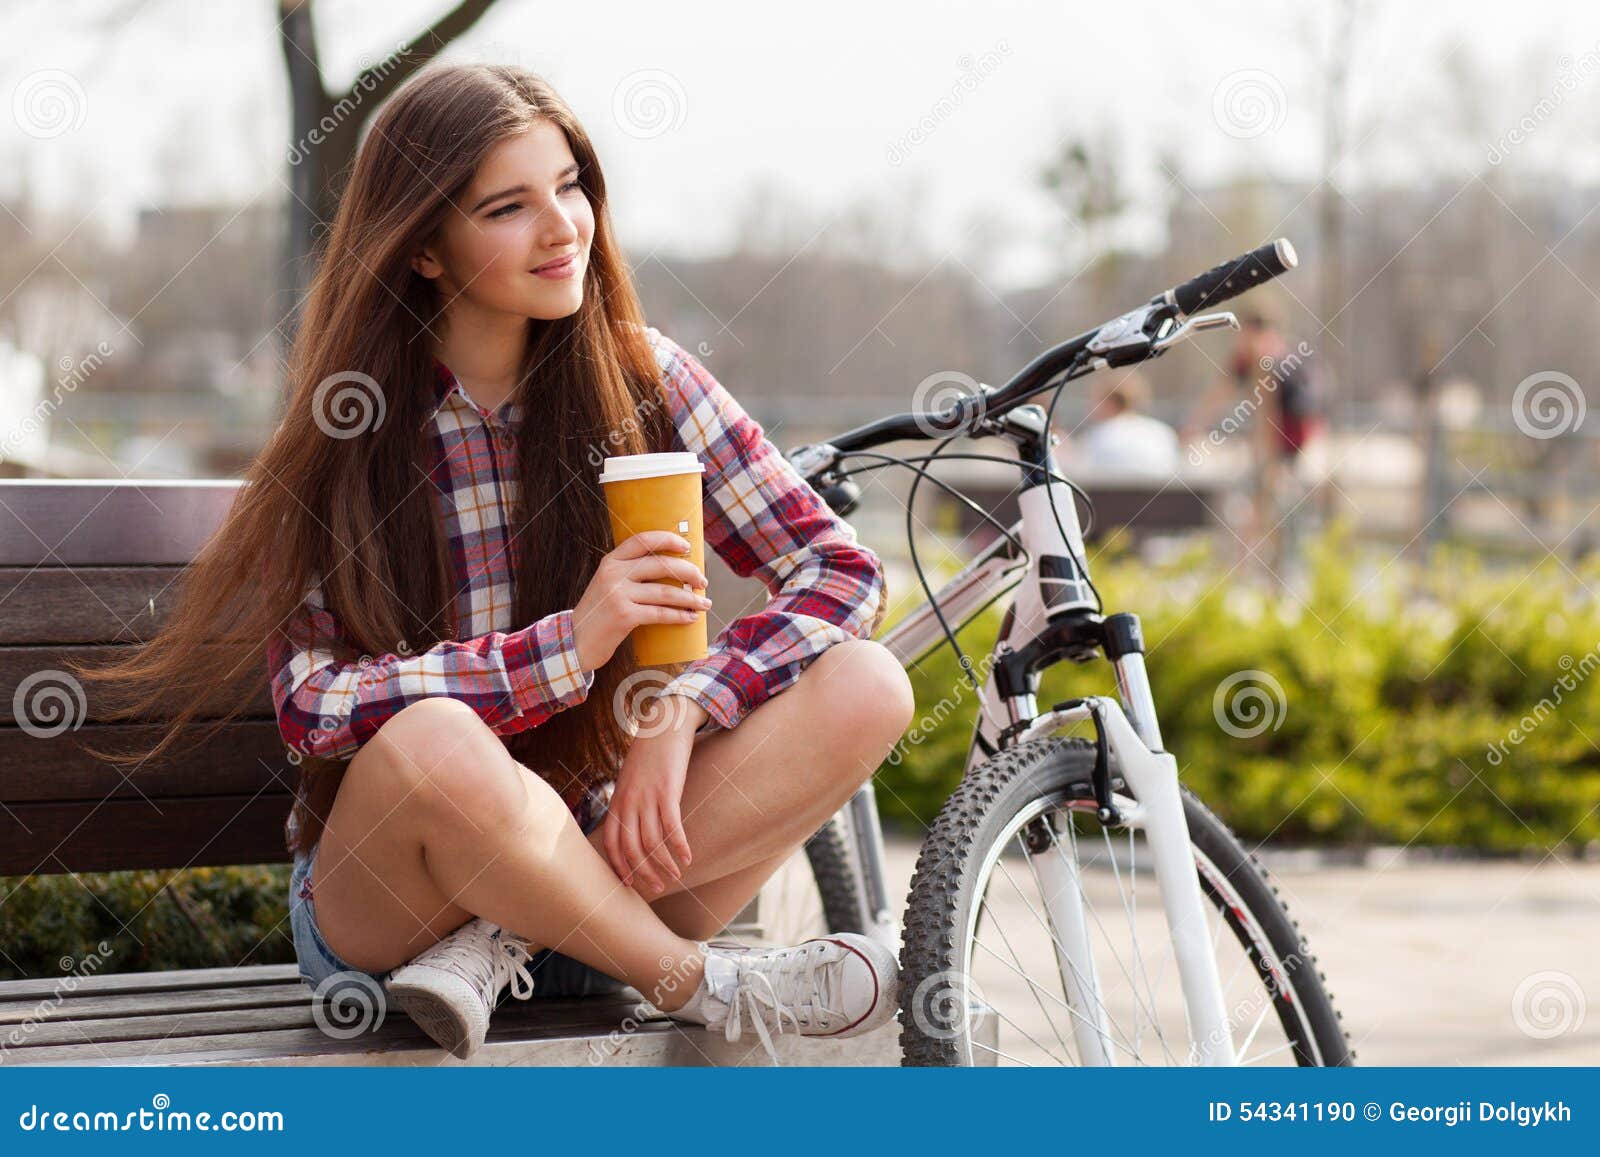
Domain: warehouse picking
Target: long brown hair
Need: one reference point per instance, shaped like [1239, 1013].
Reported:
[356, 514]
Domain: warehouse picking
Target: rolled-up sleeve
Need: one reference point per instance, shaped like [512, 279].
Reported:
[326, 708]
[763, 519]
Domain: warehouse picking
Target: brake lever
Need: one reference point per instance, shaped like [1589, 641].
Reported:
[813, 459]
[1191, 326]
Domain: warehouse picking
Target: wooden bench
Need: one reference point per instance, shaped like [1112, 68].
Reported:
[85, 566]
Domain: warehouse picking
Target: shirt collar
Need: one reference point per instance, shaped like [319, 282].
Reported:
[446, 383]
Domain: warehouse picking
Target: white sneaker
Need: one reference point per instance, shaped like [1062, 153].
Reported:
[840, 986]
[450, 989]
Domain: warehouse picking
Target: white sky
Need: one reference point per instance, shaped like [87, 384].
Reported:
[187, 102]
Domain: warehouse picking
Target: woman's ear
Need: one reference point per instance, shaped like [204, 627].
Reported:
[424, 262]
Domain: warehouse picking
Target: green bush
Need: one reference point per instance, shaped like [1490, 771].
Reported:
[147, 921]
[1437, 704]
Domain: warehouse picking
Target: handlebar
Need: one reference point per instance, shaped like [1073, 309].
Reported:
[1136, 336]
[1232, 278]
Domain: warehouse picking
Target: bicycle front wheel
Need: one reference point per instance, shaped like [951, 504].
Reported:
[985, 975]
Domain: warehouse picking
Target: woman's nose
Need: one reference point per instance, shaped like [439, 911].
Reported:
[556, 226]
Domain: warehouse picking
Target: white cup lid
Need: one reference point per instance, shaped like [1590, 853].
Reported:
[631, 466]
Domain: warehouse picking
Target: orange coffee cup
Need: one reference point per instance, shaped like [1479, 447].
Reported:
[660, 492]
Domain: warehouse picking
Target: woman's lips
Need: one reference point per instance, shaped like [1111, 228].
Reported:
[566, 267]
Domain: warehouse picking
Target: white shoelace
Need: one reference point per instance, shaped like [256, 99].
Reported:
[809, 974]
[485, 961]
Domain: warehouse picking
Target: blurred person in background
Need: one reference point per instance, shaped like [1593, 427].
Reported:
[1268, 393]
[1119, 437]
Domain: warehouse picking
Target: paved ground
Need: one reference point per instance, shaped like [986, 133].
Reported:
[1445, 963]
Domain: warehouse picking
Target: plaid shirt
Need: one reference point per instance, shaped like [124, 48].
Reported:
[761, 517]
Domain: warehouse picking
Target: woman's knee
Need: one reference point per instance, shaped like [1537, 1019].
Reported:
[437, 754]
[864, 690]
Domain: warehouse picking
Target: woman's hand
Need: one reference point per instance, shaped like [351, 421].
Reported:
[643, 829]
[637, 583]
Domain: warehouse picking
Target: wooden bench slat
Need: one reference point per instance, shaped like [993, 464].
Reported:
[88, 604]
[53, 688]
[98, 522]
[75, 1007]
[121, 834]
[191, 1024]
[173, 980]
[242, 757]
[537, 1014]
[653, 1042]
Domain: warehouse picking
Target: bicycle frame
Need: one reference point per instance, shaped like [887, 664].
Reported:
[1053, 616]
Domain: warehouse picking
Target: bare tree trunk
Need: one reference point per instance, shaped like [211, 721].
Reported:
[324, 129]
[1334, 351]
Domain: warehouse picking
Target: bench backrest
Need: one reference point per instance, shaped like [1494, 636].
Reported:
[86, 566]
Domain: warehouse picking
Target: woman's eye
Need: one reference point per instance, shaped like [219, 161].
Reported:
[570, 185]
[506, 210]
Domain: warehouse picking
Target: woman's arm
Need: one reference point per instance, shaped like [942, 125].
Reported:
[763, 519]
[513, 679]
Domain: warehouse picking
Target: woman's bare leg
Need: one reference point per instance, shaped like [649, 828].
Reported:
[435, 822]
[753, 795]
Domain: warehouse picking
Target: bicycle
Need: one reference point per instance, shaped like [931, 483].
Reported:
[1077, 817]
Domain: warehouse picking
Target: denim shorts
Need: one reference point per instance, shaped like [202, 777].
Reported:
[554, 974]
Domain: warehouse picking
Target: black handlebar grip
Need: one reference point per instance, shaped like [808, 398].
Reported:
[1232, 278]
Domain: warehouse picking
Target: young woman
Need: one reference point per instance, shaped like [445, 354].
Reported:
[421, 560]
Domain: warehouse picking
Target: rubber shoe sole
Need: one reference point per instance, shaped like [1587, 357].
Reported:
[445, 1007]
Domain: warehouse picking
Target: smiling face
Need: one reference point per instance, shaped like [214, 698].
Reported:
[523, 210]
